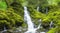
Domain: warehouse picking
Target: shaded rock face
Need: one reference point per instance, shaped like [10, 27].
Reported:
[44, 10]
[2, 27]
[18, 24]
[6, 32]
[45, 25]
[14, 4]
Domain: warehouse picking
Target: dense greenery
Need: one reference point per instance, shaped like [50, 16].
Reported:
[12, 13]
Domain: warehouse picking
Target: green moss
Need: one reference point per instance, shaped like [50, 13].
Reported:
[3, 5]
[10, 18]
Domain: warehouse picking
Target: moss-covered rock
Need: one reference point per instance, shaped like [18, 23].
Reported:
[10, 18]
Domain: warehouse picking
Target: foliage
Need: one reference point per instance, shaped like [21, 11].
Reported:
[3, 5]
[10, 18]
[14, 15]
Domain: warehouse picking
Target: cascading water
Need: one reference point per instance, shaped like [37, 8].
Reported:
[27, 18]
[40, 21]
[38, 8]
[46, 10]
[29, 22]
[39, 26]
[51, 23]
[4, 29]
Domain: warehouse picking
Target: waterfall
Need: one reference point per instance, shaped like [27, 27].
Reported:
[39, 26]
[51, 23]
[30, 24]
[46, 10]
[38, 8]
[29, 21]
[4, 29]
[27, 18]
[42, 32]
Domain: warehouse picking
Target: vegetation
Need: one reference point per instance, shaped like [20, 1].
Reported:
[12, 13]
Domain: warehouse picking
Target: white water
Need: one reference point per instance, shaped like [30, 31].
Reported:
[42, 32]
[51, 23]
[29, 22]
[38, 8]
[31, 28]
[28, 19]
[46, 10]
[4, 29]
[39, 26]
